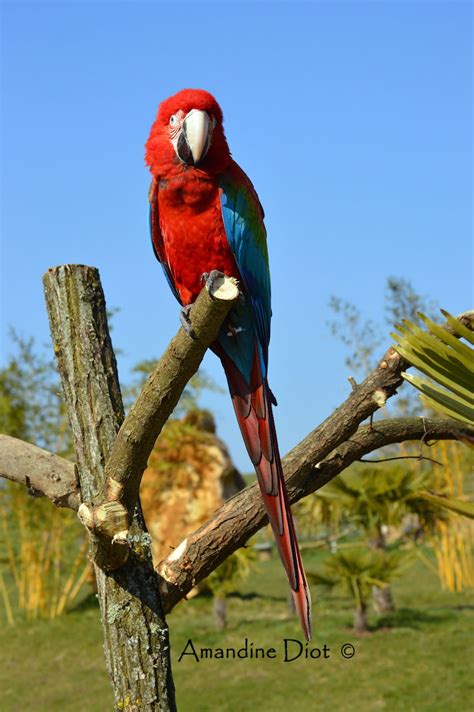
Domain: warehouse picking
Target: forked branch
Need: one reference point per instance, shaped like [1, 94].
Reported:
[157, 400]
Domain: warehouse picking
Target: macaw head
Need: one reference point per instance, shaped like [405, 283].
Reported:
[187, 133]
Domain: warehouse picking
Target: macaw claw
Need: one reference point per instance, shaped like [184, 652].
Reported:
[186, 322]
[210, 278]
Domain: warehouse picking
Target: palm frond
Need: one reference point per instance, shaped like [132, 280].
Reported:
[446, 359]
[355, 570]
[466, 509]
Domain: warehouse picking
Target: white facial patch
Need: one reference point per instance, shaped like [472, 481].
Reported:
[199, 127]
[174, 127]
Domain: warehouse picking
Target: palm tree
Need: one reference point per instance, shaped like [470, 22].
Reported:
[373, 499]
[355, 571]
[227, 578]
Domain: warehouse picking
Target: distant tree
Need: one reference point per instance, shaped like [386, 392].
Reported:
[355, 571]
[369, 502]
[227, 578]
[402, 301]
[31, 404]
[43, 547]
[363, 337]
[372, 500]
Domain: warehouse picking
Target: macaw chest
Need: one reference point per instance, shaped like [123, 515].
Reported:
[183, 192]
[194, 237]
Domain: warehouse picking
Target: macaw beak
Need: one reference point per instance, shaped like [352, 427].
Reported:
[194, 140]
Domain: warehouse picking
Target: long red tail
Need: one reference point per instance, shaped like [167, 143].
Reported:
[253, 407]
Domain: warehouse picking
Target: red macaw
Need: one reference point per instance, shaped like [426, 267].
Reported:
[204, 216]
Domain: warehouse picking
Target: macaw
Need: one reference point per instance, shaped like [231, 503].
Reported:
[205, 216]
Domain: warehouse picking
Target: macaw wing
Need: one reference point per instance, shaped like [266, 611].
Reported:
[157, 237]
[243, 221]
[244, 354]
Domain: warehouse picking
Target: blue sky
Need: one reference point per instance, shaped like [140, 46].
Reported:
[353, 120]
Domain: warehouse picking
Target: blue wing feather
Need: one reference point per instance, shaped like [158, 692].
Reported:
[243, 221]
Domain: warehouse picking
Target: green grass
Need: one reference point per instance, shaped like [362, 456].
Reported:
[418, 659]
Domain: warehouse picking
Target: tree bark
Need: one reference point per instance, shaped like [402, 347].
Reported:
[360, 619]
[382, 596]
[136, 641]
[220, 612]
[383, 599]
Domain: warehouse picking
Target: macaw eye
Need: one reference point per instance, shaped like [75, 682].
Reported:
[173, 120]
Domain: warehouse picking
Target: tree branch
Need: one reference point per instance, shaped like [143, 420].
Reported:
[45, 474]
[157, 400]
[305, 472]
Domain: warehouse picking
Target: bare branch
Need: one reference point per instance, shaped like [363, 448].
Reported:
[45, 474]
[402, 457]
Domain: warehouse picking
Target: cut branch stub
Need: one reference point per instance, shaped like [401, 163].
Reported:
[110, 518]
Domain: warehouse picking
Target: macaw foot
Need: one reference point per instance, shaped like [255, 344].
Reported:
[213, 279]
[186, 322]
